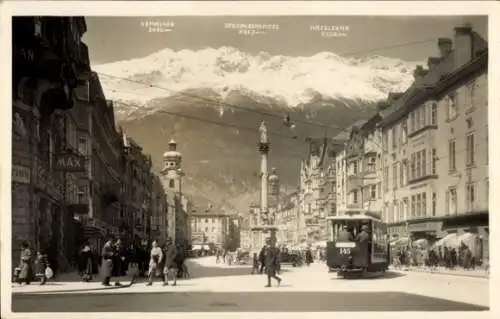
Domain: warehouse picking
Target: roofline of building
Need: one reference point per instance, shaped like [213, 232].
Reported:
[464, 73]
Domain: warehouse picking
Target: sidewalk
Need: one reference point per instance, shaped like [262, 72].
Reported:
[478, 273]
[69, 282]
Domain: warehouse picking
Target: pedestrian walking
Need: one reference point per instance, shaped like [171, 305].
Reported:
[170, 269]
[272, 263]
[118, 258]
[85, 262]
[107, 262]
[42, 268]
[25, 269]
[156, 263]
[262, 259]
[217, 256]
[255, 264]
[309, 257]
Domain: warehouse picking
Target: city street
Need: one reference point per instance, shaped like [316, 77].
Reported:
[303, 289]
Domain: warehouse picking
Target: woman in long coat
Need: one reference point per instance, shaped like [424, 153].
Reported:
[25, 265]
[107, 262]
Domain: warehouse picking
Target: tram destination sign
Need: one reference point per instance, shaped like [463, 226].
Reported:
[70, 162]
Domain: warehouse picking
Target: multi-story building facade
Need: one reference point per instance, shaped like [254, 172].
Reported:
[359, 167]
[317, 188]
[49, 60]
[436, 137]
[139, 189]
[209, 227]
[101, 191]
[291, 223]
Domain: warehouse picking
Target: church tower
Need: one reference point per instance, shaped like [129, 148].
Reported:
[171, 169]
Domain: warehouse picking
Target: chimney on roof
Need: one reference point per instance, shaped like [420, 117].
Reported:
[432, 62]
[445, 46]
[465, 29]
[419, 72]
[464, 44]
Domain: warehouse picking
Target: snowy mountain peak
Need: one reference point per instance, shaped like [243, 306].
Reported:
[293, 80]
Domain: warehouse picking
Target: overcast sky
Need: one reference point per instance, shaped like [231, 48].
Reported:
[120, 38]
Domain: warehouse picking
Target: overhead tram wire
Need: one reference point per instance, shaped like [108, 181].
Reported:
[217, 123]
[222, 103]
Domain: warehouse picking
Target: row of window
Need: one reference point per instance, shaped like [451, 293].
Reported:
[470, 152]
[420, 118]
[416, 206]
[368, 165]
[471, 197]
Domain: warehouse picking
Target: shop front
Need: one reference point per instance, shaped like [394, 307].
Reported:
[471, 230]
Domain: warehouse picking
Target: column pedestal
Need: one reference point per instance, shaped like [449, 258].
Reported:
[260, 234]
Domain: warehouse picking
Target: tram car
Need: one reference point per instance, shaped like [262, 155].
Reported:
[359, 243]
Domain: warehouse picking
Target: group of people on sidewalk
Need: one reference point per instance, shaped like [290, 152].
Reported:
[164, 262]
[434, 259]
[31, 267]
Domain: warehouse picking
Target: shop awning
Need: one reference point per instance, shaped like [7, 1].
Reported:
[468, 239]
[420, 243]
[450, 241]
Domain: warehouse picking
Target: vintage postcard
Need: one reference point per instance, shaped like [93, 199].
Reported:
[243, 158]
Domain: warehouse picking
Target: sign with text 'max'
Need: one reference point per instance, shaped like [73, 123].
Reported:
[70, 162]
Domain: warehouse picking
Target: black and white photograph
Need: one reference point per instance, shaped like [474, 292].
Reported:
[192, 163]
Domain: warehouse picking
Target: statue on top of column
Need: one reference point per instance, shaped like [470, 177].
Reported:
[263, 132]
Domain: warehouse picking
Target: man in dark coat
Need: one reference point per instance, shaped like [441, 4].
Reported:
[107, 262]
[118, 261]
[272, 263]
[363, 240]
[262, 259]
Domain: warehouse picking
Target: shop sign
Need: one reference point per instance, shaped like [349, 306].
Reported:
[71, 162]
[21, 174]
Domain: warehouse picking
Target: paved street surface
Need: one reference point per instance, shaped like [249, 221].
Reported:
[219, 288]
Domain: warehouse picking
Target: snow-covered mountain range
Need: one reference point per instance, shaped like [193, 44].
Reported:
[222, 163]
[289, 81]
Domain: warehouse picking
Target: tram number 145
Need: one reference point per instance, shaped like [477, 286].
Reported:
[345, 251]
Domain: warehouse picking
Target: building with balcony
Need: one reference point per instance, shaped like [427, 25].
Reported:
[49, 62]
[137, 210]
[317, 187]
[100, 193]
[435, 139]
